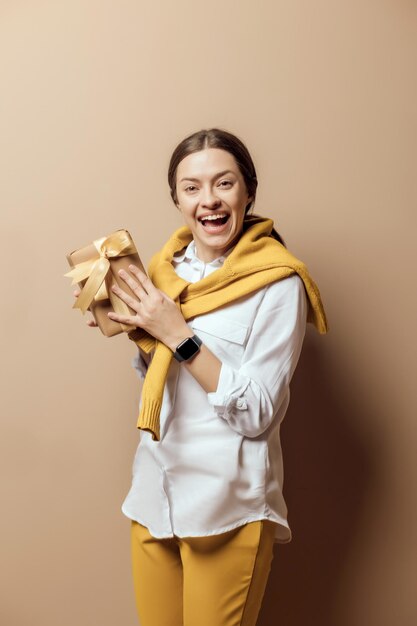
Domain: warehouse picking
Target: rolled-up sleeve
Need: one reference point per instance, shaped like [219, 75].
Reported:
[249, 397]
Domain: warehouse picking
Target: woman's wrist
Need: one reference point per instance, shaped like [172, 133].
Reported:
[179, 336]
[171, 342]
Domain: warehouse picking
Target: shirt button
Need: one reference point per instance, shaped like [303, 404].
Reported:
[241, 404]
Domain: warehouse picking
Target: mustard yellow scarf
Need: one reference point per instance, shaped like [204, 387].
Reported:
[256, 260]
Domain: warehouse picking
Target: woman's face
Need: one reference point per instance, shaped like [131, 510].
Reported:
[210, 185]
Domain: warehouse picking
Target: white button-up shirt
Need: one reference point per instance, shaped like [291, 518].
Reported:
[218, 464]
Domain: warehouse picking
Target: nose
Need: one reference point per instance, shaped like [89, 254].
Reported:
[209, 199]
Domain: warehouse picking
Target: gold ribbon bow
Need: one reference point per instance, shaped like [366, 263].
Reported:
[97, 273]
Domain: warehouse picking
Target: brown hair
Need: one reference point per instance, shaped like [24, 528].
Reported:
[217, 138]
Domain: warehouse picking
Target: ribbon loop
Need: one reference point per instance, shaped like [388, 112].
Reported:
[96, 271]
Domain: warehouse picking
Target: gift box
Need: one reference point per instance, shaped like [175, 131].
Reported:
[95, 270]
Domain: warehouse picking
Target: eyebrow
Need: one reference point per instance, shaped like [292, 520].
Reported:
[196, 180]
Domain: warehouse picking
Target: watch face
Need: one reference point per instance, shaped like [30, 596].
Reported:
[187, 348]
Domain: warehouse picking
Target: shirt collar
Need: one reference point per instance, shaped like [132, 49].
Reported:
[190, 255]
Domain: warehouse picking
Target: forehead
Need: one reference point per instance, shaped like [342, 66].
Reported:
[206, 163]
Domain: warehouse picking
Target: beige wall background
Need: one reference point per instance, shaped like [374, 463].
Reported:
[94, 97]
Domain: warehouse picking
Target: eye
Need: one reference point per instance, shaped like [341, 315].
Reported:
[225, 182]
[190, 187]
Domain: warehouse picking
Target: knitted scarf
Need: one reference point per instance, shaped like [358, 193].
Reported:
[256, 260]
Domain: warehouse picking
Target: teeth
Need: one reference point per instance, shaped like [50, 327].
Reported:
[213, 217]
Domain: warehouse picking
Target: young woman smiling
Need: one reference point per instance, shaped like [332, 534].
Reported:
[220, 323]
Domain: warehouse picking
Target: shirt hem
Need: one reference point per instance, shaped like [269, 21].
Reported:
[217, 531]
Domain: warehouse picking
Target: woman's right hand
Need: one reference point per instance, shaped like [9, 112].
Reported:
[91, 322]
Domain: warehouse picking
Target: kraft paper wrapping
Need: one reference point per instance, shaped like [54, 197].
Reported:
[95, 269]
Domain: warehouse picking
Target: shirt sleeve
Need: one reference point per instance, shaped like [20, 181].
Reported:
[140, 365]
[248, 398]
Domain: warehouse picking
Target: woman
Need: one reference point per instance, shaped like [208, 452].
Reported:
[220, 324]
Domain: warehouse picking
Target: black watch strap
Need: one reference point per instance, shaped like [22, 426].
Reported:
[187, 348]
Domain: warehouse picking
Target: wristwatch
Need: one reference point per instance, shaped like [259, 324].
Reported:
[187, 348]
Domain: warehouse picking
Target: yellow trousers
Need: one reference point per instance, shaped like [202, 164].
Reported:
[217, 580]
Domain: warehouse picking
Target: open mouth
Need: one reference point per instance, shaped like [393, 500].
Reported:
[214, 221]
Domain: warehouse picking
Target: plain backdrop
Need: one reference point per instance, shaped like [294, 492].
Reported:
[95, 95]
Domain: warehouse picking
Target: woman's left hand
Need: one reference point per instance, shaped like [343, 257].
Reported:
[156, 312]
